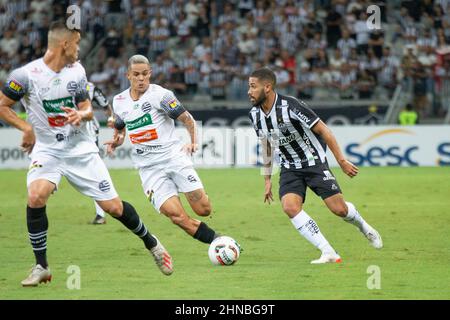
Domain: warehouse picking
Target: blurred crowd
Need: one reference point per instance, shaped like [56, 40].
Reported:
[319, 49]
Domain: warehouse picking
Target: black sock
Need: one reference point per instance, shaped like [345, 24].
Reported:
[37, 223]
[204, 233]
[131, 220]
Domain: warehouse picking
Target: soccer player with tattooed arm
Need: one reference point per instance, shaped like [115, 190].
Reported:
[53, 92]
[287, 125]
[145, 113]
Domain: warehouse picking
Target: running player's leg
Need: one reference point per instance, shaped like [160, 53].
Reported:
[292, 194]
[42, 179]
[160, 186]
[173, 209]
[348, 212]
[38, 193]
[324, 184]
[94, 181]
[187, 181]
[307, 227]
[199, 202]
[184, 176]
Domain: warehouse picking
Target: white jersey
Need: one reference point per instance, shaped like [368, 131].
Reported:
[43, 92]
[150, 124]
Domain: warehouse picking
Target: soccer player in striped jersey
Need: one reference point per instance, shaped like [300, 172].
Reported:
[53, 92]
[288, 125]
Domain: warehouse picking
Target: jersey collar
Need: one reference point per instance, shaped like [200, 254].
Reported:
[146, 91]
[271, 109]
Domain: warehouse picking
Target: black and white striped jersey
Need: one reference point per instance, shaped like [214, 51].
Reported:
[288, 129]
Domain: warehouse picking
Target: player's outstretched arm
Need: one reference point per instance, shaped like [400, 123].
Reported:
[188, 120]
[11, 118]
[321, 129]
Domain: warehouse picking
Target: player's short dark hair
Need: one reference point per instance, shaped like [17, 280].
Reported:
[60, 25]
[57, 29]
[265, 74]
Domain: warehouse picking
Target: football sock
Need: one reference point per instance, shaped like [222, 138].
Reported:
[308, 228]
[37, 224]
[132, 221]
[355, 218]
[98, 210]
[204, 233]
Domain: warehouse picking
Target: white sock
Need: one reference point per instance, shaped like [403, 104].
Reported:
[99, 210]
[309, 229]
[355, 218]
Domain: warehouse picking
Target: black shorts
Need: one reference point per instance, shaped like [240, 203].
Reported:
[318, 178]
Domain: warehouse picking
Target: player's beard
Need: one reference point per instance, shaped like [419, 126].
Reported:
[71, 59]
[260, 99]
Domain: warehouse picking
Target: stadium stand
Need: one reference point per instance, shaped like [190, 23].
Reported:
[321, 50]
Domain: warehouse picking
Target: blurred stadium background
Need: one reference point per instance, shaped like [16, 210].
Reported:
[358, 80]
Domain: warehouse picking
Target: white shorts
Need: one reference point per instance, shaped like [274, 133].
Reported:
[162, 181]
[87, 173]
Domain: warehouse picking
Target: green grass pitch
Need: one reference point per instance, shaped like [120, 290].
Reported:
[409, 206]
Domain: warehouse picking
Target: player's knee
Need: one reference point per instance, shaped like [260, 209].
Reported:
[291, 209]
[114, 208]
[36, 199]
[339, 210]
[204, 210]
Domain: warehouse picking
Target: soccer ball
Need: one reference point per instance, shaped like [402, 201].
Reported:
[224, 251]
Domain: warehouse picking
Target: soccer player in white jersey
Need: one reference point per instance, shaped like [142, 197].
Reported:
[53, 91]
[289, 125]
[147, 113]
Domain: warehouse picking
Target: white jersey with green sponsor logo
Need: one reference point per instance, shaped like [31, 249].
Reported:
[43, 92]
[149, 123]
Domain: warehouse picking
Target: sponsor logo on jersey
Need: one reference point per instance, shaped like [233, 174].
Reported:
[286, 140]
[104, 186]
[43, 91]
[57, 121]
[144, 149]
[56, 82]
[54, 106]
[121, 97]
[15, 86]
[140, 122]
[303, 117]
[72, 87]
[36, 70]
[143, 136]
